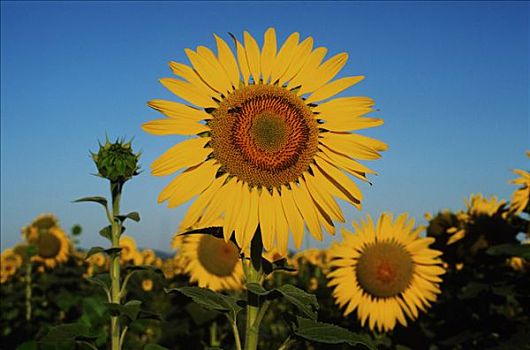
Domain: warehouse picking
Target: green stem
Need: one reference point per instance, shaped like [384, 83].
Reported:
[28, 281]
[236, 334]
[214, 342]
[115, 264]
[254, 274]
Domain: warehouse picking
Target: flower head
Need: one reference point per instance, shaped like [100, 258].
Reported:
[273, 145]
[116, 161]
[386, 272]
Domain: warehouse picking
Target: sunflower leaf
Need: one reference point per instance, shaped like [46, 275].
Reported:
[211, 300]
[132, 215]
[329, 333]
[520, 250]
[95, 199]
[131, 309]
[106, 232]
[67, 333]
[94, 250]
[305, 302]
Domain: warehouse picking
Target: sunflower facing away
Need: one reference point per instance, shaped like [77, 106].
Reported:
[210, 261]
[386, 271]
[272, 145]
[52, 243]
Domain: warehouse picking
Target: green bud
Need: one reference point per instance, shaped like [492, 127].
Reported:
[76, 230]
[116, 161]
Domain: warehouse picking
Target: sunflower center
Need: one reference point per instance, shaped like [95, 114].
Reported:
[265, 135]
[385, 269]
[48, 245]
[217, 256]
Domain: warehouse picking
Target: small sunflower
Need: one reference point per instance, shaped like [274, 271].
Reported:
[273, 145]
[385, 271]
[147, 285]
[10, 262]
[480, 205]
[148, 256]
[521, 196]
[51, 242]
[211, 262]
[129, 253]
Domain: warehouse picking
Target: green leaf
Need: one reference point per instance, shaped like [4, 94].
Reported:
[106, 232]
[210, 300]
[67, 332]
[95, 199]
[131, 309]
[473, 289]
[132, 215]
[305, 302]
[154, 347]
[200, 315]
[94, 250]
[329, 333]
[520, 250]
[257, 289]
[102, 280]
[29, 345]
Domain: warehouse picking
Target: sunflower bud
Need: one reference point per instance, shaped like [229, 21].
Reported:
[116, 161]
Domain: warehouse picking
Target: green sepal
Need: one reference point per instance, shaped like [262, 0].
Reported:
[329, 333]
[279, 265]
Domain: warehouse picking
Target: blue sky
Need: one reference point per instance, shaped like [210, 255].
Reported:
[450, 79]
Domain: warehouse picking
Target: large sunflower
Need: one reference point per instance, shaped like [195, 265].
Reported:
[10, 262]
[51, 242]
[210, 261]
[273, 145]
[385, 271]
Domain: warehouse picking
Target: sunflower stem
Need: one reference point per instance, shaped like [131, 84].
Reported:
[254, 274]
[115, 290]
[28, 282]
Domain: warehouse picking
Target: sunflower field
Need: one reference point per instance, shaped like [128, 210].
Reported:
[270, 149]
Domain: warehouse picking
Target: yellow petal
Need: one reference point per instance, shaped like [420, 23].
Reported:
[266, 219]
[201, 203]
[174, 127]
[228, 61]
[349, 124]
[253, 56]
[293, 216]
[186, 72]
[242, 215]
[218, 203]
[233, 206]
[354, 145]
[323, 198]
[210, 71]
[333, 88]
[253, 218]
[345, 106]
[305, 205]
[300, 56]
[282, 228]
[243, 62]
[268, 54]
[309, 68]
[284, 57]
[188, 92]
[325, 73]
[189, 183]
[336, 181]
[346, 163]
[177, 110]
[185, 154]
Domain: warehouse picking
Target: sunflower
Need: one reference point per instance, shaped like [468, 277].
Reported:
[385, 271]
[521, 196]
[129, 252]
[10, 262]
[273, 145]
[211, 262]
[51, 242]
[479, 205]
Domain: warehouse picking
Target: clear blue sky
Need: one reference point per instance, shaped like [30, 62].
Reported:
[451, 81]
